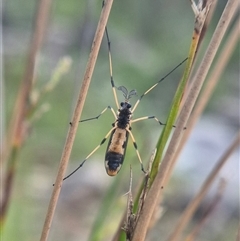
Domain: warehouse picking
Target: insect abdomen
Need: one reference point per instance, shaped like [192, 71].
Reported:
[116, 151]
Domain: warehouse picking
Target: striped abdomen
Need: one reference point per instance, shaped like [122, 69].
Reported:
[116, 151]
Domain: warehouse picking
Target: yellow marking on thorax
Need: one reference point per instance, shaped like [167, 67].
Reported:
[118, 139]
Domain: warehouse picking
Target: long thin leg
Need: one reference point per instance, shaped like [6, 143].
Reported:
[136, 149]
[147, 91]
[152, 117]
[110, 67]
[95, 149]
[148, 118]
[96, 117]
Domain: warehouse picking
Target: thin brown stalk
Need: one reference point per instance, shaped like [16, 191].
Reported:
[209, 88]
[212, 206]
[137, 211]
[198, 37]
[238, 234]
[201, 29]
[130, 218]
[17, 130]
[22, 103]
[156, 190]
[191, 208]
[76, 116]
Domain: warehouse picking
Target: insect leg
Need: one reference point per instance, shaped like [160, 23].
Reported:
[136, 149]
[96, 117]
[110, 68]
[152, 117]
[148, 118]
[94, 150]
[147, 91]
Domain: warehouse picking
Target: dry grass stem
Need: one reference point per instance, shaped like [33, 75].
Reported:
[192, 206]
[238, 234]
[201, 12]
[212, 206]
[76, 116]
[130, 217]
[17, 129]
[15, 134]
[155, 191]
[209, 88]
[138, 201]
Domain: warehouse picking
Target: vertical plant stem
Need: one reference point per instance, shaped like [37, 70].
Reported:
[189, 211]
[238, 233]
[201, 14]
[76, 116]
[209, 88]
[156, 190]
[17, 130]
[207, 212]
[175, 107]
[22, 103]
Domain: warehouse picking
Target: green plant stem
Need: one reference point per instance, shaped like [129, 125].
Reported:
[156, 190]
[210, 85]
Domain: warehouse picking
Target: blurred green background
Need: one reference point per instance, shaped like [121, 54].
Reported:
[148, 39]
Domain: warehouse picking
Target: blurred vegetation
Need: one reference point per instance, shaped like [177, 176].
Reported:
[148, 39]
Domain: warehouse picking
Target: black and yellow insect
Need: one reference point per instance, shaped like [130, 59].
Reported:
[121, 128]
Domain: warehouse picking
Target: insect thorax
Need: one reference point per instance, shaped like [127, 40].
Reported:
[124, 117]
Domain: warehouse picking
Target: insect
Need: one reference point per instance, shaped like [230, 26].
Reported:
[121, 128]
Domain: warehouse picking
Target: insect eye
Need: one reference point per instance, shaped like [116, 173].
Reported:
[129, 106]
[121, 104]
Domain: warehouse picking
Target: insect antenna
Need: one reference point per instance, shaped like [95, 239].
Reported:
[163, 78]
[127, 94]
